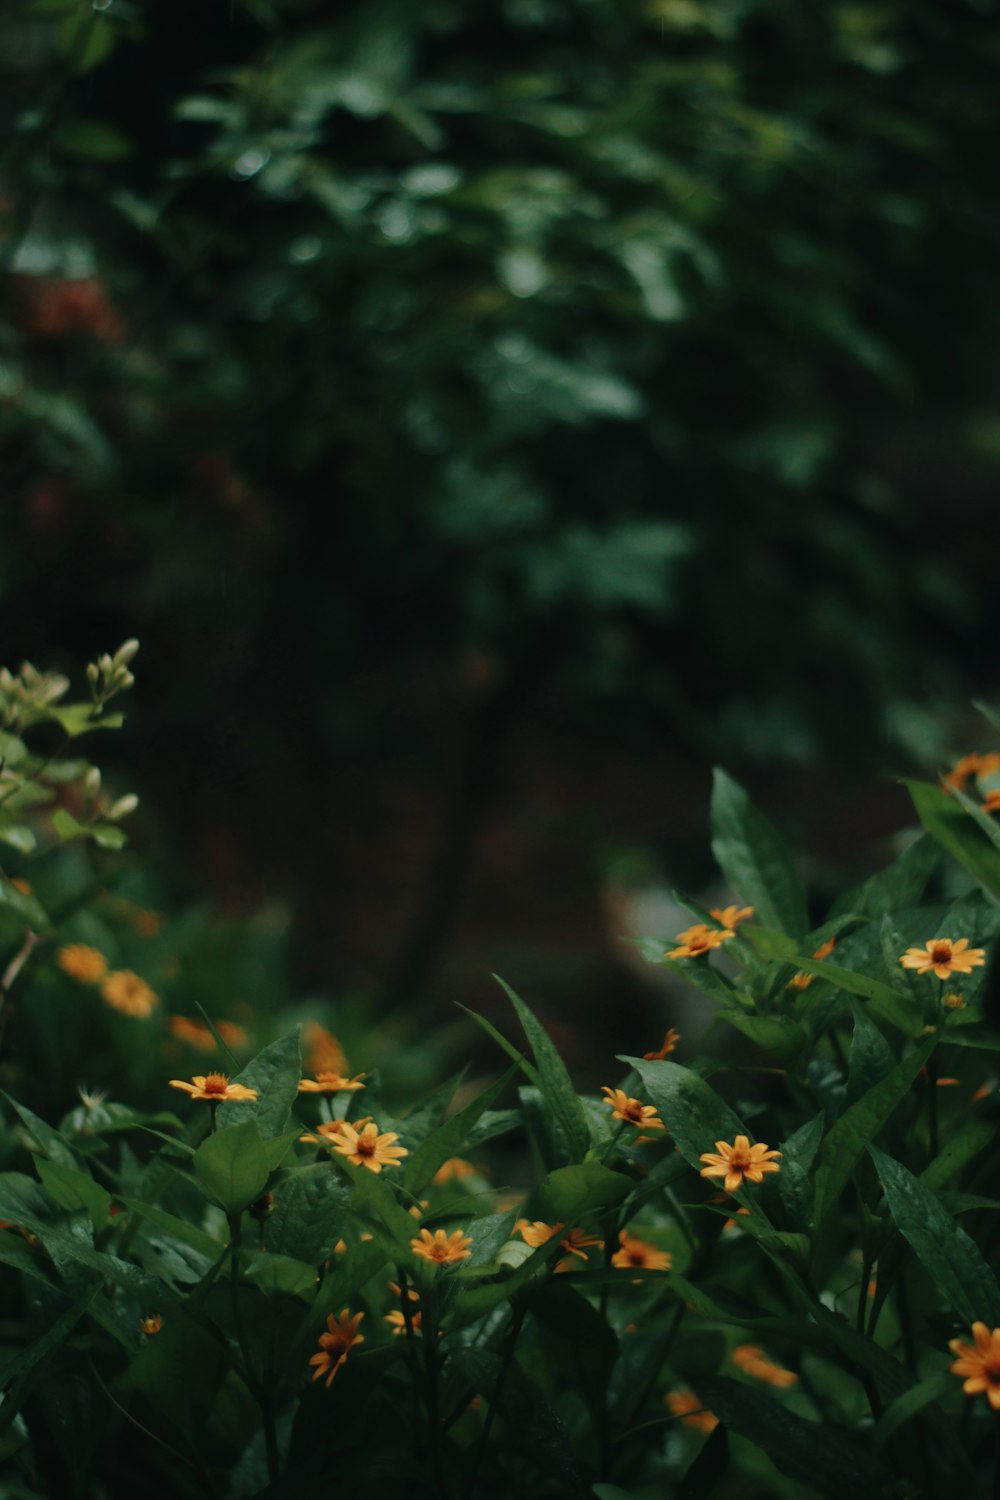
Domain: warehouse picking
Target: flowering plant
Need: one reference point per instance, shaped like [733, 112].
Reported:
[770, 1274]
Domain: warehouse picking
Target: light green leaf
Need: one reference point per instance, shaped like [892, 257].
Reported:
[955, 831]
[755, 860]
[231, 1166]
[554, 1082]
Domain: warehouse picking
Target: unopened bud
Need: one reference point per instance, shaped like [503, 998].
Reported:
[126, 652]
[92, 781]
[123, 679]
[122, 807]
[104, 662]
[93, 672]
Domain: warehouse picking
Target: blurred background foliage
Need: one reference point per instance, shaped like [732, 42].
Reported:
[489, 415]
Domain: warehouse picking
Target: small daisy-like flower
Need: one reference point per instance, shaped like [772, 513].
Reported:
[215, 1087]
[577, 1243]
[731, 916]
[336, 1344]
[738, 1162]
[686, 1405]
[631, 1111]
[151, 1325]
[639, 1255]
[324, 1054]
[193, 1033]
[331, 1130]
[944, 957]
[397, 1321]
[441, 1247]
[962, 772]
[669, 1045]
[367, 1148]
[802, 981]
[953, 1001]
[453, 1170]
[81, 962]
[128, 994]
[979, 1363]
[751, 1359]
[699, 939]
[330, 1083]
[536, 1233]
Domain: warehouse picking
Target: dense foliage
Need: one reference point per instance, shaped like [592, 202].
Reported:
[287, 1274]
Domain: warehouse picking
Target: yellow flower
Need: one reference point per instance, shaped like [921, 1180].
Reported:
[639, 1255]
[215, 1087]
[327, 1133]
[397, 1321]
[194, 1033]
[944, 957]
[537, 1232]
[751, 1359]
[151, 1325]
[441, 1247]
[330, 1083]
[739, 1161]
[324, 1054]
[731, 916]
[631, 1111]
[368, 1148]
[802, 981]
[127, 993]
[685, 1404]
[336, 1344]
[699, 939]
[953, 1001]
[453, 1169]
[81, 962]
[980, 1364]
[669, 1045]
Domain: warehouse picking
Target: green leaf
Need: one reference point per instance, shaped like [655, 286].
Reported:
[280, 1274]
[690, 1108]
[847, 1139]
[798, 1152]
[967, 1142]
[178, 1229]
[755, 860]
[24, 905]
[554, 1082]
[570, 1192]
[449, 1139]
[898, 886]
[822, 1458]
[489, 1235]
[530, 1426]
[274, 1073]
[45, 1139]
[231, 1166]
[931, 1388]
[871, 1056]
[17, 1364]
[576, 1341]
[92, 140]
[309, 1212]
[956, 832]
[375, 1201]
[73, 1189]
[953, 1261]
[180, 1370]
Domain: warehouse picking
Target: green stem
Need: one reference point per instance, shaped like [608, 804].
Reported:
[432, 1369]
[260, 1389]
[517, 1321]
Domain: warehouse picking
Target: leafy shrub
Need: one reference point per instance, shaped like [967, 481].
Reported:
[737, 1278]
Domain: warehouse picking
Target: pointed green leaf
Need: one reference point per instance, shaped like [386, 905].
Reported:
[231, 1166]
[554, 1082]
[274, 1073]
[690, 1108]
[309, 1211]
[956, 832]
[952, 1259]
[857, 1126]
[871, 1056]
[755, 860]
[449, 1139]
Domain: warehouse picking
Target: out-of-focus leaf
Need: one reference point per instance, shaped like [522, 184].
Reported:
[755, 860]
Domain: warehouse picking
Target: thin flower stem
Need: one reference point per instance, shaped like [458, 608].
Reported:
[260, 1389]
[435, 1430]
[411, 1355]
[11, 972]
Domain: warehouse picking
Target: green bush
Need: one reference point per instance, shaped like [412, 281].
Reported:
[279, 1281]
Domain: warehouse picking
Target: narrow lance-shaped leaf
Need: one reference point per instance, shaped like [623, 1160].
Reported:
[956, 832]
[554, 1080]
[754, 858]
[951, 1258]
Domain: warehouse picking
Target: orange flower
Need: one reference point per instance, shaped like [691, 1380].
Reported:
[739, 1161]
[231, 1034]
[731, 916]
[324, 1053]
[669, 1045]
[146, 923]
[953, 1001]
[194, 1033]
[397, 1321]
[980, 1364]
[962, 772]
[440, 1247]
[944, 957]
[699, 939]
[536, 1233]
[336, 1344]
[151, 1325]
[802, 981]
[991, 802]
[369, 1149]
[631, 1111]
[454, 1169]
[578, 1242]
[327, 1133]
[127, 993]
[685, 1404]
[82, 963]
[330, 1083]
[215, 1087]
[639, 1255]
[751, 1359]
